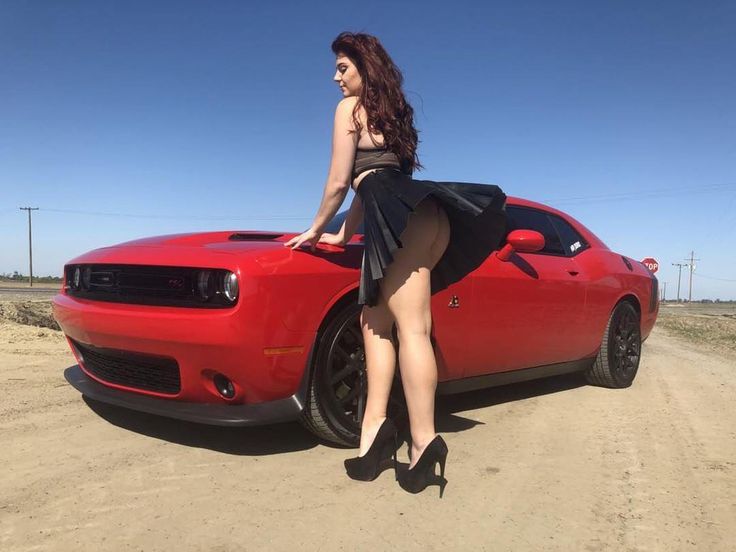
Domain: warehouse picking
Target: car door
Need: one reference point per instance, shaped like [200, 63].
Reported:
[528, 311]
[451, 319]
[451, 322]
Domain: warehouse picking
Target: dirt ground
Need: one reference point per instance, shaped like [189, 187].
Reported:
[546, 465]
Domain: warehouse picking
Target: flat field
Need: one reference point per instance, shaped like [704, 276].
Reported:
[711, 325]
[547, 465]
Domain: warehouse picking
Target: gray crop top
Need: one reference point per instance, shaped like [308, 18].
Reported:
[376, 158]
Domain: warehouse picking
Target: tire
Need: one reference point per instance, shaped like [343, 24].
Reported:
[618, 358]
[338, 387]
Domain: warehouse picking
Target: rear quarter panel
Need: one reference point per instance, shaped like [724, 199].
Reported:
[610, 282]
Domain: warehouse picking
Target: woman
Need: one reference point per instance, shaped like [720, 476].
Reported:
[452, 228]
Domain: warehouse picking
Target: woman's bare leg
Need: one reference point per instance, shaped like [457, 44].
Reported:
[406, 288]
[380, 356]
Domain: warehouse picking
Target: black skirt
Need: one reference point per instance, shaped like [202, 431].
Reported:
[476, 213]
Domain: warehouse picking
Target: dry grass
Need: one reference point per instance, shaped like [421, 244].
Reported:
[718, 331]
[29, 313]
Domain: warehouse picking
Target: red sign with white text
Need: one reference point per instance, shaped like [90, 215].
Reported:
[651, 264]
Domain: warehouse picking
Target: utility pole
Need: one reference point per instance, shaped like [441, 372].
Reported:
[679, 273]
[30, 242]
[692, 267]
[664, 291]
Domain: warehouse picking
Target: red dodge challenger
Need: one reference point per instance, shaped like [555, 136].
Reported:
[233, 328]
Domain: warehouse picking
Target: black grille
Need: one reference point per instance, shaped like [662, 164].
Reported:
[148, 285]
[136, 370]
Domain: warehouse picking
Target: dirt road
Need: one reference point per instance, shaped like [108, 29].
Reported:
[550, 465]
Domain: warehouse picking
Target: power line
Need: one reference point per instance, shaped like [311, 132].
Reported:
[714, 278]
[643, 194]
[171, 217]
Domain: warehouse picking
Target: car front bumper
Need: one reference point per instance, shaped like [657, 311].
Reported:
[264, 360]
[270, 412]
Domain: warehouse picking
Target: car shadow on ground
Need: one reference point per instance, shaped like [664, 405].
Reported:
[246, 441]
[448, 406]
[292, 437]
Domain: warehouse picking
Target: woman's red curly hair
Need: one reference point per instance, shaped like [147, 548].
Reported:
[388, 111]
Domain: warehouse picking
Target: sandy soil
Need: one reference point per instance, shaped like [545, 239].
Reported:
[23, 285]
[15, 291]
[547, 465]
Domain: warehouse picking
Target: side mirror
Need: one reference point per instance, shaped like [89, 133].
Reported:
[523, 241]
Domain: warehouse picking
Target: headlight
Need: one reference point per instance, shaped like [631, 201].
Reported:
[230, 286]
[204, 285]
[76, 278]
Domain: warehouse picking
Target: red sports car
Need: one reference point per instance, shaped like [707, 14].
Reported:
[233, 328]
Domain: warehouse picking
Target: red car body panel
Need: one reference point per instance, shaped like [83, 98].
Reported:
[537, 310]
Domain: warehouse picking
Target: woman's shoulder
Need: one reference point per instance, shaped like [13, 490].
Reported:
[345, 114]
[347, 105]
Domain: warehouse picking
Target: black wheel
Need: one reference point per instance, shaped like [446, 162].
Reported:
[338, 386]
[618, 358]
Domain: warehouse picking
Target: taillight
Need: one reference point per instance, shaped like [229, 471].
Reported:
[654, 296]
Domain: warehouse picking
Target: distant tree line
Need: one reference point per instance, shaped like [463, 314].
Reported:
[699, 301]
[18, 277]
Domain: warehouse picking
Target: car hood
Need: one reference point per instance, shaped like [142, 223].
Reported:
[223, 240]
[198, 249]
[206, 249]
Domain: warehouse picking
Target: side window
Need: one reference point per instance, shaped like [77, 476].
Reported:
[572, 242]
[520, 218]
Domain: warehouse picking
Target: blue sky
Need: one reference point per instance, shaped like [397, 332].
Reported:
[126, 119]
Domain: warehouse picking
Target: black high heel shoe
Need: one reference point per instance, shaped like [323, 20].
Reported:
[372, 463]
[416, 479]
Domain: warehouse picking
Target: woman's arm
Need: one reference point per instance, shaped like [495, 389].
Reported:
[344, 144]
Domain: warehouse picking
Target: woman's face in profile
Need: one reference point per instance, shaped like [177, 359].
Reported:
[347, 76]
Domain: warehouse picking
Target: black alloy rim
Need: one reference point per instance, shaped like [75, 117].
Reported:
[625, 345]
[345, 376]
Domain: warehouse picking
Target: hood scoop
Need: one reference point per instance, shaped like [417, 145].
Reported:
[255, 236]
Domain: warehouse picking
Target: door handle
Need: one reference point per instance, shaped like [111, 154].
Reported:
[572, 272]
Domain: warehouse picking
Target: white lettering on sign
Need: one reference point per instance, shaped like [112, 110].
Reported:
[651, 264]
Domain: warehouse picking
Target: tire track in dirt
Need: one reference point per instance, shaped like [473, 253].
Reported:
[549, 465]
